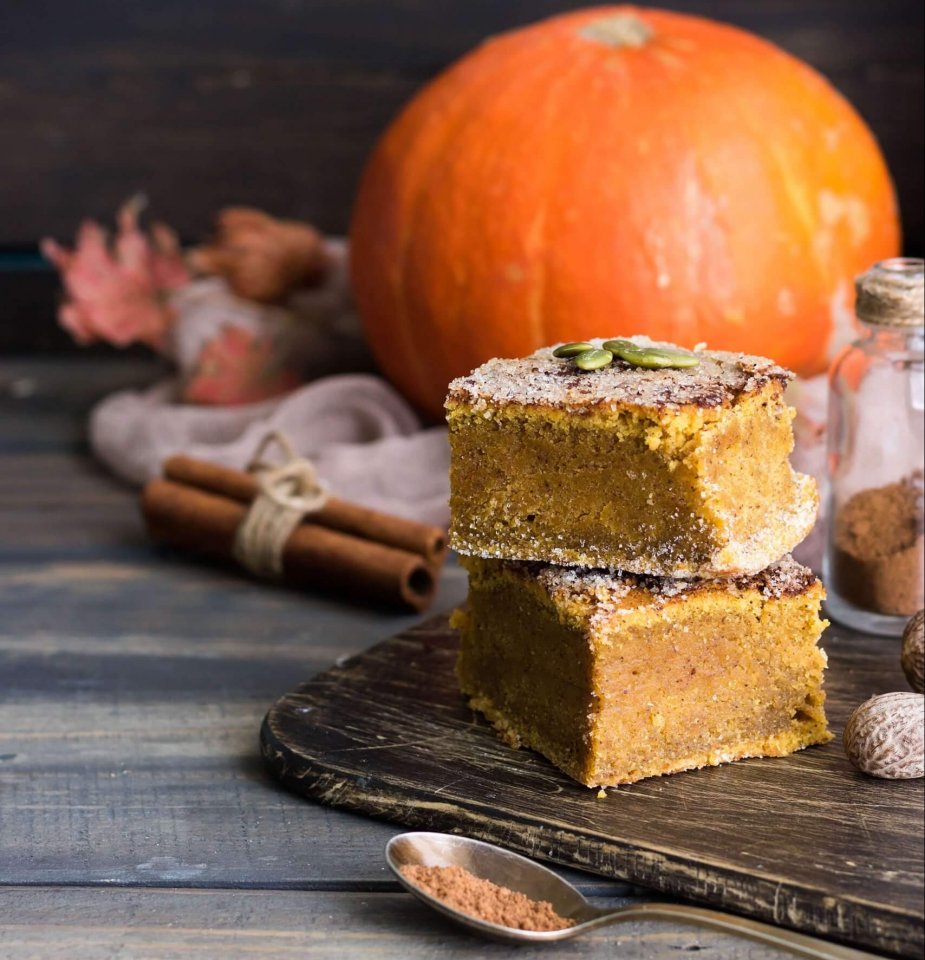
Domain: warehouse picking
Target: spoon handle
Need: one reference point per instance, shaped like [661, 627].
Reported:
[795, 943]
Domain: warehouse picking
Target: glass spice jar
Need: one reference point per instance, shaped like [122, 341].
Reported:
[874, 564]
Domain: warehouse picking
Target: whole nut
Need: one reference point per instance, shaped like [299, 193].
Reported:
[913, 657]
[885, 736]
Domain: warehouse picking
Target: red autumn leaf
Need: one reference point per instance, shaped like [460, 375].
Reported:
[119, 295]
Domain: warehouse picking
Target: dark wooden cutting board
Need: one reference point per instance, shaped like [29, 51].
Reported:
[802, 841]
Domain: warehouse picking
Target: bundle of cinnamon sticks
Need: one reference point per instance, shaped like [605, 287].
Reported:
[342, 547]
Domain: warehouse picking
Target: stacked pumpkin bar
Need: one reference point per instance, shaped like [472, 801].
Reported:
[633, 609]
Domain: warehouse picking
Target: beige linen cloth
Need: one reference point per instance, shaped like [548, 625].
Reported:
[366, 442]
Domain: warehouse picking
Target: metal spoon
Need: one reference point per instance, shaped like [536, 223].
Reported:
[518, 873]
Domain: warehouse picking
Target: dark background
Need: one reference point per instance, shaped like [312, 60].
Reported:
[276, 103]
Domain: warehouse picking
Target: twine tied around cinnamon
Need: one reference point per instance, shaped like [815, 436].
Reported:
[286, 493]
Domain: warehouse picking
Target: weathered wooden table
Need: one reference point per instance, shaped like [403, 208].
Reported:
[136, 819]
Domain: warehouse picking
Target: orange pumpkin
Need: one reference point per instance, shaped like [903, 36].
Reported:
[613, 171]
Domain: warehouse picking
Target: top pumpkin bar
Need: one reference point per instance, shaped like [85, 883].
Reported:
[672, 472]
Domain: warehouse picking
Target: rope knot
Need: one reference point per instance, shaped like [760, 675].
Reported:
[287, 492]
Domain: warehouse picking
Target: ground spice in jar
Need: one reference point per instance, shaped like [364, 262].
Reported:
[880, 548]
[483, 899]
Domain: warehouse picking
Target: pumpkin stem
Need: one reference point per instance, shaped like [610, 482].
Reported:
[620, 30]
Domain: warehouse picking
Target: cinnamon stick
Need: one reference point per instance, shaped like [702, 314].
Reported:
[408, 535]
[315, 556]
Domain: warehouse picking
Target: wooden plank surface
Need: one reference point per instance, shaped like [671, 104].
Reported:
[804, 841]
[177, 924]
[135, 681]
[278, 103]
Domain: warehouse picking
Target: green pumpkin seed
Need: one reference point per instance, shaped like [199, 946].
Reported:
[617, 347]
[682, 361]
[626, 350]
[654, 358]
[651, 358]
[593, 359]
[589, 357]
[568, 350]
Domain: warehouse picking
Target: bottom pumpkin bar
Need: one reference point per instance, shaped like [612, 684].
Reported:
[615, 677]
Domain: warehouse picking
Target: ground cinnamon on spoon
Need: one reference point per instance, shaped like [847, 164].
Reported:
[483, 899]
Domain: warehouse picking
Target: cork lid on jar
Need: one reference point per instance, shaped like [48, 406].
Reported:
[892, 293]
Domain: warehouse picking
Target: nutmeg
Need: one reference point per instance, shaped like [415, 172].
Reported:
[885, 736]
[913, 656]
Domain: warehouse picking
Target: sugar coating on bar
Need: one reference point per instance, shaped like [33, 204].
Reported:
[542, 380]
